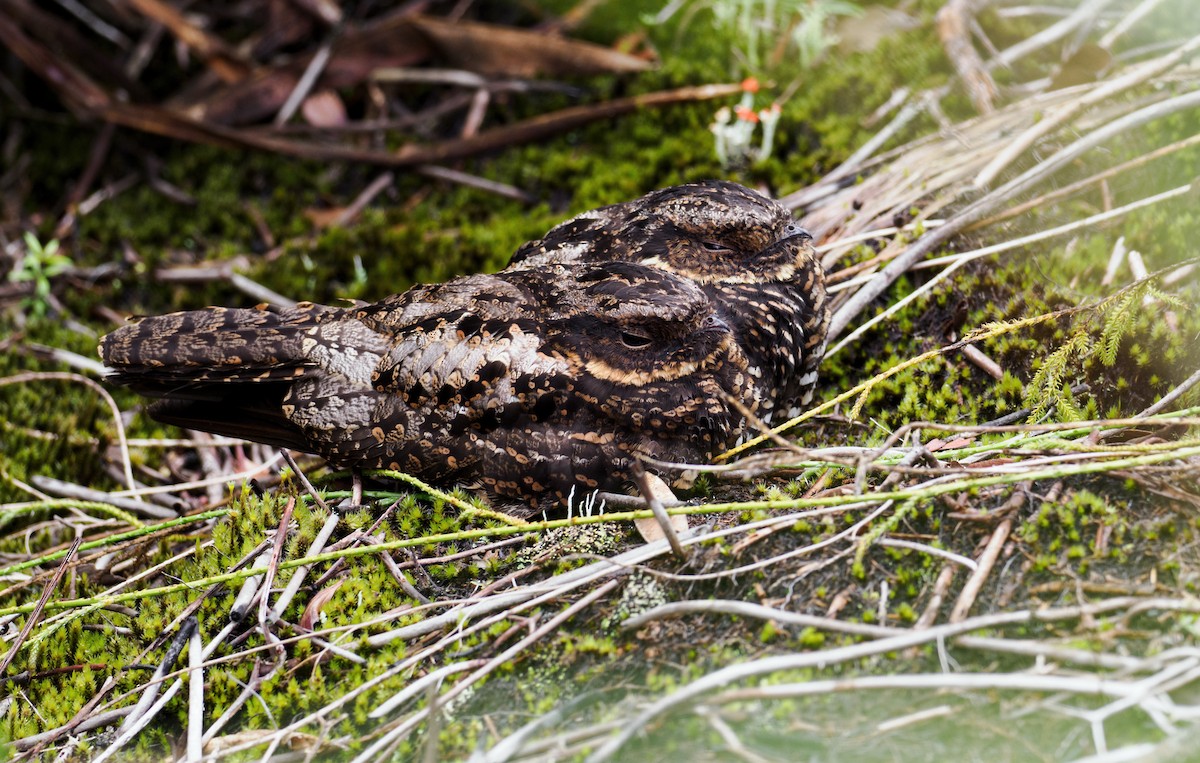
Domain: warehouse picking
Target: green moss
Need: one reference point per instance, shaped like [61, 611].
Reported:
[59, 429]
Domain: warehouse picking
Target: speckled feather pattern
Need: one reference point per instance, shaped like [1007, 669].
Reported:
[621, 334]
[748, 254]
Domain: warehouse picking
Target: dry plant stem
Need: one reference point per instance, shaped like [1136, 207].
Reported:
[1170, 398]
[987, 560]
[954, 29]
[1079, 185]
[95, 160]
[63, 618]
[732, 742]
[508, 747]
[304, 85]
[417, 687]
[70, 490]
[474, 181]
[32, 376]
[377, 186]
[195, 724]
[959, 260]
[907, 113]
[940, 587]
[130, 730]
[822, 659]
[30, 746]
[988, 203]
[404, 583]
[553, 587]
[1084, 14]
[291, 462]
[1094, 685]
[1041, 650]
[194, 484]
[281, 534]
[223, 272]
[36, 614]
[970, 564]
[733, 572]
[297, 579]
[160, 121]
[219, 57]
[1114, 262]
[250, 688]
[155, 682]
[1124, 25]
[1059, 117]
[756, 611]
[250, 586]
[549, 627]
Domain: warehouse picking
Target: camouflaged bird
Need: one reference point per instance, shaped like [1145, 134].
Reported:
[745, 251]
[530, 384]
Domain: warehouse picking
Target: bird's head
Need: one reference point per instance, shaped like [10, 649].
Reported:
[638, 326]
[717, 232]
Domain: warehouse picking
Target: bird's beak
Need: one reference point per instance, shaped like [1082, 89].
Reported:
[793, 230]
[715, 323]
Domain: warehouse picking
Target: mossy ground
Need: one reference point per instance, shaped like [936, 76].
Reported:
[1095, 534]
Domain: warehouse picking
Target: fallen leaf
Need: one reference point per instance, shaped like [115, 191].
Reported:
[324, 109]
[316, 604]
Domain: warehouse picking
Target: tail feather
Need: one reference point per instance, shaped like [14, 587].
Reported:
[217, 345]
[253, 416]
[221, 370]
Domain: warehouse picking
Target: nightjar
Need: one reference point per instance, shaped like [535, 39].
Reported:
[744, 250]
[529, 384]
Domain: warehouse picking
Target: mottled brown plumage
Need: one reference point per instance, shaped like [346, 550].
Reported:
[530, 383]
[623, 333]
[745, 251]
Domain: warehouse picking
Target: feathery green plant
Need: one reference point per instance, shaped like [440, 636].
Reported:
[1049, 388]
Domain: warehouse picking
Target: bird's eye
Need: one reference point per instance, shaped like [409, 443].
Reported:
[635, 341]
[714, 246]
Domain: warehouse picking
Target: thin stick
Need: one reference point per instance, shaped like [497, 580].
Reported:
[1078, 185]
[959, 260]
[126, 462]
[940, 587]
[71, 490]
[984, 206]
[1172, 396]
[36, 614]
[953, 27]
[824, 658]
[986, 561]
[297, 579]
[1057, 118]
[195, 725]
[316, 66]
[1085, 13]
[748, 609]
[281, 534]
[377, 186]
[291, 462]
[650, 495]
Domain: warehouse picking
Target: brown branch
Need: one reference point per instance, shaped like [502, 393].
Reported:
[219, 57]
[161, 121]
